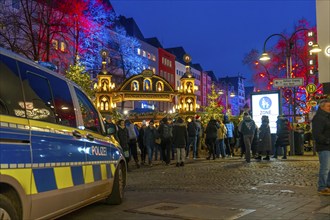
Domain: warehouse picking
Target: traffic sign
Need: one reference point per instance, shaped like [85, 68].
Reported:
[287, 93]
[288, 82]
[311, 88]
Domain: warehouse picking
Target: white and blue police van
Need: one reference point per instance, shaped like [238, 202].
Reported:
[55, 154]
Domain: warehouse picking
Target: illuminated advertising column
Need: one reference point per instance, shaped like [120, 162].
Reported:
[323, 35]
[266, 103]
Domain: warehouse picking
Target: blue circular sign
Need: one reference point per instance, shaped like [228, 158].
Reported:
[265, 103]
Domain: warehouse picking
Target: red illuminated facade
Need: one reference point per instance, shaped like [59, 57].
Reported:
[166, 66]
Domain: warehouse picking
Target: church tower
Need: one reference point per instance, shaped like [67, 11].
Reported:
[187, 98]
[104, 87]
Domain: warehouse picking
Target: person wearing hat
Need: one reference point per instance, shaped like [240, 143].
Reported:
[321, 134]
[247, 127]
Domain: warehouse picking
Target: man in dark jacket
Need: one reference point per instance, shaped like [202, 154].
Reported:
[321, 134]
[192, 137]
[180, 137]
[211, 132]
[165, 133]
[247, 127]
[283, 136]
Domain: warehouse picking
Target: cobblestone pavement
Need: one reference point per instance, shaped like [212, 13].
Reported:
[221, 189]
[230, 175]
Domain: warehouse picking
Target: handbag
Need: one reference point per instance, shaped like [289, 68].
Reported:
[158, 140]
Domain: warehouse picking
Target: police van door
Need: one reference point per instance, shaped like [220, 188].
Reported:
[15, 148]
[57, 150]
[99, 167]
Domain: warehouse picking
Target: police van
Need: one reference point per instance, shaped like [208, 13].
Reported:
[55, 154]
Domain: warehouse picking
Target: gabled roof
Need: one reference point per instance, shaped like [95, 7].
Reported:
[197, 66]
[179, 52]
[132, 29]
[211, 74]
[154, 42]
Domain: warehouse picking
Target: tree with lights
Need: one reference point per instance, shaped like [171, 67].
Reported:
[265, 73]
[88, 24]
[77, 74]
[214, 109]
[28, 27]
[125, 52]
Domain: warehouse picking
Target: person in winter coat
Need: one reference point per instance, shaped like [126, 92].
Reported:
[133, 134]
[122, 134]
[141, 142]
[180, 138]
[149, 137]
[321, 135]
[283, 134]
[220, 143]
[230, 138]
[110, 127]
[199, 135]
[264, 143]
[165, 133]
[193, 131]
[211, 136]
[247, 127]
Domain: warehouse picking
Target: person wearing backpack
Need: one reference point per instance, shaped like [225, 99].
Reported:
[247, 127]
[192, 138]
[165, 133]
[133, 134]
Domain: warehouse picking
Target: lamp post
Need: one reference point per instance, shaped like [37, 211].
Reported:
[289, 44]
[227, 90]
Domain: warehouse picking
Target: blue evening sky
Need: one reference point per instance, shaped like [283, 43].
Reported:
[217, 33]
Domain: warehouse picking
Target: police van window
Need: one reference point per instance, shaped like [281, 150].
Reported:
[88, 112]
[39, 102]
[11, 96]
[49, 94]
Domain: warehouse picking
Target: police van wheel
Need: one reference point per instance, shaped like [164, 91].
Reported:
[7, 209]
[117, 194]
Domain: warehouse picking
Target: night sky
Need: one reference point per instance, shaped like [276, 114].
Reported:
[217, 34]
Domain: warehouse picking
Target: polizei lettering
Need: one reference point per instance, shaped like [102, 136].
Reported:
[99, 151]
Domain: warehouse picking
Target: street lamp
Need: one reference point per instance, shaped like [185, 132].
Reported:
[289, 44]
[227, 90]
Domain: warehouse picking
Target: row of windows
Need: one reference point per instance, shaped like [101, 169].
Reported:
[150, 68]
[146, 54]
[168, 76]
[166, 62]
[61, 46]
[181, 73]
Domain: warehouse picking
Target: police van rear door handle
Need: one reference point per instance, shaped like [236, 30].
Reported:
[76, 134]
[90, 137]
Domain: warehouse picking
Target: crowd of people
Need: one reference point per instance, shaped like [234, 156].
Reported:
[181, 139]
